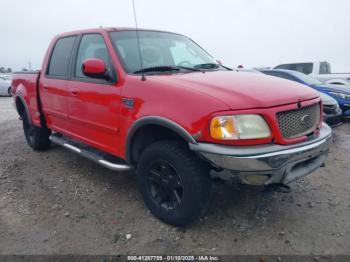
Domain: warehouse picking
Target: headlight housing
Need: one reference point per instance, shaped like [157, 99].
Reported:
[341, 95]
[237, 127]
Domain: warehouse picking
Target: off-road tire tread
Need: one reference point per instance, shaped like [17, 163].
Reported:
[197, 173]
[40, 141]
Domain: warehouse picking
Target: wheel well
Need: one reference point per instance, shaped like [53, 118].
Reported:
[147, 135]
[20, 106]
[336, 83]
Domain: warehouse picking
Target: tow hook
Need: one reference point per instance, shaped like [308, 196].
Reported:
[279, 187]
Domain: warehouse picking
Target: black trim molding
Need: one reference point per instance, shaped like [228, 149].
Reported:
[20, 97]
[155, 120]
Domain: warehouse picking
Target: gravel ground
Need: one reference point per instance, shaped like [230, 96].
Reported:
[56, 202]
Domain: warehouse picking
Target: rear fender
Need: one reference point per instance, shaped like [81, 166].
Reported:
[19, 100]
[29, 104]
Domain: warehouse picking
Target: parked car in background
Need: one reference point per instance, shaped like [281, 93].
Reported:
[320, 71]
[5, 85]
[332, 113]
[340, 93]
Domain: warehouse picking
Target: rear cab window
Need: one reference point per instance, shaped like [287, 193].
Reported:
[60, 57]
[325, 68]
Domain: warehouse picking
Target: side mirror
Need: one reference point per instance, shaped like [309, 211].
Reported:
[96, 68]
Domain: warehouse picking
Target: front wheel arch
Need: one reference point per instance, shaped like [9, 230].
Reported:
[154, 128]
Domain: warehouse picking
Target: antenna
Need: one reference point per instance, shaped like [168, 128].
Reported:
[143, 78]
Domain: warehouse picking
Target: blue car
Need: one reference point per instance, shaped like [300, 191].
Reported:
[340, 93]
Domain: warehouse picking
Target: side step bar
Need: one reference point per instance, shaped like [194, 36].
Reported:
[90, 153]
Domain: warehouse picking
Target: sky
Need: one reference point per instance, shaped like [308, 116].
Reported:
[252, 33]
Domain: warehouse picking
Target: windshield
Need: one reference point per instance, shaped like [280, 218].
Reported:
[305, 78]
[160, 51]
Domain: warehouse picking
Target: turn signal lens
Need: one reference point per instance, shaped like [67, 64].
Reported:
[223, 128]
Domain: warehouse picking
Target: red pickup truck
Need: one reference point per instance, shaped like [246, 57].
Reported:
[156, 102]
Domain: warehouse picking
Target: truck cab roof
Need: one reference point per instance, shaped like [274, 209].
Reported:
[107, 29]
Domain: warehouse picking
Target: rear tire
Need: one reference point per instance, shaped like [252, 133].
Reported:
[9, 91]
[37, 137]
[174, 182]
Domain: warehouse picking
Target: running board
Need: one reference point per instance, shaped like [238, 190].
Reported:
[103, 159]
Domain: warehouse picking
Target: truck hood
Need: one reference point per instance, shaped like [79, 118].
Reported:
[242, 90]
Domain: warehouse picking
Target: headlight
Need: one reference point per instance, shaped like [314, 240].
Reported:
[239, 127]
[341, 95]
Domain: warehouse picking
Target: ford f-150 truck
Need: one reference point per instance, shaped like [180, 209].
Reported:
[157, 103]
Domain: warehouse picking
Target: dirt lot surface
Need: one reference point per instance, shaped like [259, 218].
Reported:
[56, 202]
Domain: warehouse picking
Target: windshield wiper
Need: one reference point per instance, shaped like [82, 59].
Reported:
[166, 68]
[157, 69]
[189, 68]
[207, 66]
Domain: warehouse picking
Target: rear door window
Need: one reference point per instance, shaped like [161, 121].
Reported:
[60, 57]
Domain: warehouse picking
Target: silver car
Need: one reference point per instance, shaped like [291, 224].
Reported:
[5, 85]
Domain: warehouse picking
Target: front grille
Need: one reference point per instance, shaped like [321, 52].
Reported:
[299, 122]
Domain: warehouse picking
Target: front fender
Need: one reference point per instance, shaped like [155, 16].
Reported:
[155, 120]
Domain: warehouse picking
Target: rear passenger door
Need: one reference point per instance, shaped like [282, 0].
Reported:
[53, 83]
[94, 103]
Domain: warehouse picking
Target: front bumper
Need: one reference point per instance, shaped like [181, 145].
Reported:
[333, 119]
[269, 164]
[346, 110]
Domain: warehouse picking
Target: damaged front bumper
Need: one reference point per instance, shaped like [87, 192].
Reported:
[269, 164]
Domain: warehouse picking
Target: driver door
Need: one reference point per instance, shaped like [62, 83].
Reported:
[93, 104]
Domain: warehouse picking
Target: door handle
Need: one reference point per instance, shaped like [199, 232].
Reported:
[45, 88]
[74, 92]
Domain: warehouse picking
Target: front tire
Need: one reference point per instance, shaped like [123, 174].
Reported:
[37, 137]
[174, 182]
